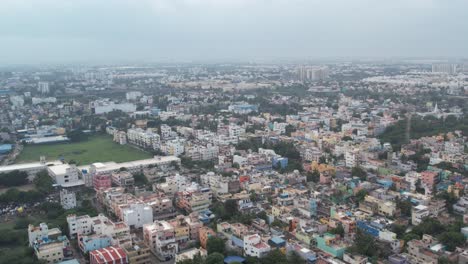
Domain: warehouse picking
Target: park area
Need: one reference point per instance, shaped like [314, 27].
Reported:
[97, 148]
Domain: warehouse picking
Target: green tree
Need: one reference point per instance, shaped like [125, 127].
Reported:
[313, 176]
[77, 136]
[215, 245]
[274, 257]
[405, 206]
[215, 258]
[294, 258]
[361, 194]
[359, 172]
[13, 178]
[452, 240]
[338, 230]
[364, 244]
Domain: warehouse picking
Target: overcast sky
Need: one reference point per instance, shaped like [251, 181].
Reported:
[38, 31]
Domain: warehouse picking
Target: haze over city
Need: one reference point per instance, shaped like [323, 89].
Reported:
[233, 132]
[56, 31]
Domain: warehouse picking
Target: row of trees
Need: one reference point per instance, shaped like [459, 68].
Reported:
[13, 178]
[422, 127]
[43, 183]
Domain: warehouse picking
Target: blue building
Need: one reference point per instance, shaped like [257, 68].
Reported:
[93, 242]
[280, 162]
[313, 207]
[368, 228]
[277, 242]
[5, 148]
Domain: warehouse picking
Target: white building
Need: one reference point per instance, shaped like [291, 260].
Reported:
[352, 158]
[17, 101]
[312, 73]
[43, 100]
[137, 215]
[106, 106]
[173, 147]
[418, 214]
[235, 130]
[280, 128]
[80, 225]
[134, 95]
[444, 68]
[200, 152]
[67, 199]
[255, 247]
[142, 138]
[65, 175]
[43, 87]
[120, 137]
[119, 232]
[162, 162]
[173, 184]
[167, 133]
[160, 238]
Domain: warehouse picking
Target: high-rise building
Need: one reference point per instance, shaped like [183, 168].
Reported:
[444, 68]
[43, 87]
[312, 73]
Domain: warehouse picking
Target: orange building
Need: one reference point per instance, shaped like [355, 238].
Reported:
[204, 234]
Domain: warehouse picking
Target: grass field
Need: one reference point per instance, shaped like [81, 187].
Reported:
[98, 148]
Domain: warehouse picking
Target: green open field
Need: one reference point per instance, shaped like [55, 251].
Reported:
[98, 148]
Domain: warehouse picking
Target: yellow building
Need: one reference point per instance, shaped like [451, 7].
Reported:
[138, 254]
[51, 252]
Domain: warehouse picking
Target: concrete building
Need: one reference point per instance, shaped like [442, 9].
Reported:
[48, 244]
[418, 213]
[66, 175]
[123, 179]
[444, 68]
[105, 106]
[108, 255]
[255, 247]
[67, 199]
[138, 254]
[194, 201]
[102, 181]
[137, 215]
[43, 87]
[144, 138]
[89, 243]
[200, 152]
[160, 238]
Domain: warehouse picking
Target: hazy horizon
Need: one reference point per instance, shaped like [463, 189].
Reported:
[106, 31]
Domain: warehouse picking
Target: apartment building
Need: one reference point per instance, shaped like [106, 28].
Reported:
[201, 152]
[48, 244]
[194, 201]
[174, 147]
[119, 232]
[138, 254]
[160, 238]
[67, 199]
[255, 247]
[137, 214]
[102, 181]
[123, 179]
[66, 175]
[144, 138]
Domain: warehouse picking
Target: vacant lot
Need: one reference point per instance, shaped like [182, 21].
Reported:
[98, 148]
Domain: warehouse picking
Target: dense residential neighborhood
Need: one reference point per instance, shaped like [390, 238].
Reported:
[235, 163]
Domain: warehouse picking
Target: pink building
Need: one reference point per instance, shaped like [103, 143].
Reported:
[102, 181]
[429, 178]
[325, 178]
